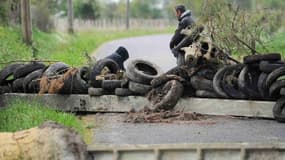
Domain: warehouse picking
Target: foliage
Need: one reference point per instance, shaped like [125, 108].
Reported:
[145, 9]
[234, 29]
[41, 15]
[86, 9]
[3, 12]
[21, 115]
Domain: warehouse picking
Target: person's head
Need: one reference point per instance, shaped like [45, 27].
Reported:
[179, 9]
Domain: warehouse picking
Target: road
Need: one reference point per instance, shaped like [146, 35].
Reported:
[111, 129]
[154, 48]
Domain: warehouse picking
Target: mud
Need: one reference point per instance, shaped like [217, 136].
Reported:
[149, 116]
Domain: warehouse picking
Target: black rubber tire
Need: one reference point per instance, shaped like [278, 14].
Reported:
[111, 85]
[5, 89]
[8, 71]
[208, 73]
[278, 110]
[100, 65]
[173, 91]
[268, 67]
[179, 71]
[141, 89]
[275, 88]
[142, 71]
[200, 83]
[261, 85]
[265, 57]
[123, 92]
[18, 85]
[34, 86]
[95, 91]
[74, 85]
[248, 80]
[27, 80]
[273, 76]
[27, 69]
[206, 94]
[230, 82]
[84, 73]
[125, 83]
[217, 82]
[282, 92]
[57, 68]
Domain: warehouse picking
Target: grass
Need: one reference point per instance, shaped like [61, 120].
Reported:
[21, 115]
[277, 44]
[60, 46]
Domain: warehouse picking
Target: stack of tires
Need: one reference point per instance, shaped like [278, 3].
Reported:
[21, 78]
[136, 80]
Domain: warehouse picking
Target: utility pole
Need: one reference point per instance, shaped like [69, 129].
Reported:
[26, 22]
[128, 15]
[70, 16]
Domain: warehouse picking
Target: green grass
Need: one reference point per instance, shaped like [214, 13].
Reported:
[60, 46]
[277, 44]
[21, 115]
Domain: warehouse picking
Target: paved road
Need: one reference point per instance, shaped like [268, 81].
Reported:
[112, 130]
[153, 48]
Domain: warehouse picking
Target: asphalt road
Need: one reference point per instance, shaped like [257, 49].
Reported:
[112, 130]
[154, 48]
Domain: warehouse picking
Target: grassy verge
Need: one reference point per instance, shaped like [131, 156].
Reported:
[60, 46]
[20, 115]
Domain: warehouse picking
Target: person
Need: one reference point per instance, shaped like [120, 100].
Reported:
[185, 19]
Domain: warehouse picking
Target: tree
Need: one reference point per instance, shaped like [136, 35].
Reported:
[87, 9]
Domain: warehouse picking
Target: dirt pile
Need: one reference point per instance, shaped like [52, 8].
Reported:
[149, 116]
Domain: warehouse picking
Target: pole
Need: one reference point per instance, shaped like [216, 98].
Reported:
[128, 15]
[70, 16]
[26, 21]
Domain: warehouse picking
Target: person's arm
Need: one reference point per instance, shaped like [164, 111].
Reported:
[178, 37]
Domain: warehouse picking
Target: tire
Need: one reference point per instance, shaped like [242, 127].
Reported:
[247, 82]
[84, 73]
[282, 92]
[278, 112]
[125, 83]
[18, 85]
[34, 86]
[27, 69]
[265, 57]
[141, 89]
[206, 94]
[100, 65]
[173, 90]
[95, 91]
[275, 89]
[175, 73]
[268, 67]
[32, 76]
[111, 84]
[5, 89]
[217, 82]
[57, 68]
[273, 76]
[207, 73]
[8, 71]
[123, 92]
[230, 82]
[74, 85]
[142, 71]
[200, 83]
[261, 85]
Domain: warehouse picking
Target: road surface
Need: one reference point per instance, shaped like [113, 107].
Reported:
[154, 48]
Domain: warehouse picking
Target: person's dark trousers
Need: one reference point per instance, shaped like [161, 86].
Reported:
[180, 59]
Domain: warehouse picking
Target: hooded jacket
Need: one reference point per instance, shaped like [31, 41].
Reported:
[184, 21]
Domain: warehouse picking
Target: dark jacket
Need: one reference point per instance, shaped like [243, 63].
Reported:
[184, 21]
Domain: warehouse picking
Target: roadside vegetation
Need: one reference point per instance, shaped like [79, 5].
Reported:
[60, 46]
